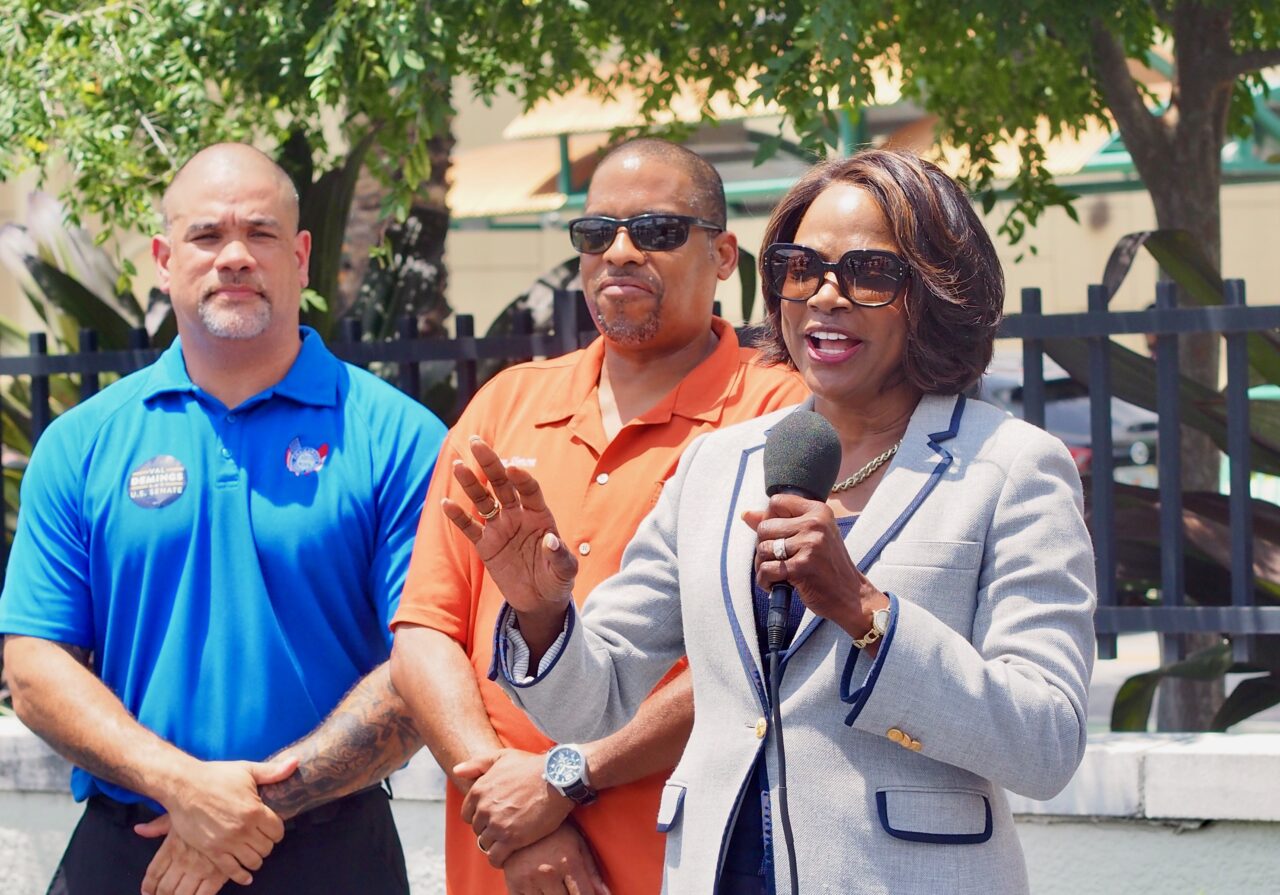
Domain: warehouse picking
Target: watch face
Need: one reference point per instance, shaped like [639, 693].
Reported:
[564, 766]
[880, 620]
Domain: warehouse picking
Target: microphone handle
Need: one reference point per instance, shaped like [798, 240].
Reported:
[779, 614]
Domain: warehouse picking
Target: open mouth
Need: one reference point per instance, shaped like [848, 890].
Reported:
[827, 345]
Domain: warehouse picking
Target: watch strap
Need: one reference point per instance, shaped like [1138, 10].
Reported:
[579, 793]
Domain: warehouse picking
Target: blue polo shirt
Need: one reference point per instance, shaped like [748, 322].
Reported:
[233, 571]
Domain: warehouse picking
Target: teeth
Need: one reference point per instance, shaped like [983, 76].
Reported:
[831, 337]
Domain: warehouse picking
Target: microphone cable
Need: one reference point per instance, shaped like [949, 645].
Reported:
[777, 628]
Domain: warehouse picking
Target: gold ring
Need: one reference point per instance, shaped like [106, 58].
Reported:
[480, 846]
[780, 549]
[497, 508]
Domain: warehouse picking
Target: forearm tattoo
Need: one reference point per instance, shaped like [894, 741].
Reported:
[369, 735]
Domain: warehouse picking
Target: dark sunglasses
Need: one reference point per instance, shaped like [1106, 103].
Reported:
[867, 277]
[654, 232]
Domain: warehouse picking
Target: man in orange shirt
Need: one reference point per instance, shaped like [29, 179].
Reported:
[604, 428]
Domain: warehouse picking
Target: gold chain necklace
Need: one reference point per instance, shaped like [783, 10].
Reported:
[864, 473]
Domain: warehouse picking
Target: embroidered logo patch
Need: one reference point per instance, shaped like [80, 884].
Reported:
[301, 460]
[158, 482]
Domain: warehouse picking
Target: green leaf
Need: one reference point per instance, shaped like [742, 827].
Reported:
[1251, 696]
[84, 307]
[1182, 257]
[1132, 706]
[1133, 379]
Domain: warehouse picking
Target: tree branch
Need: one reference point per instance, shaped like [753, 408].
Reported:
[1144, 133]
[1243, 63]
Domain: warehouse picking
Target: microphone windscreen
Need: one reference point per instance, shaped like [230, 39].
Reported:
[802, 455]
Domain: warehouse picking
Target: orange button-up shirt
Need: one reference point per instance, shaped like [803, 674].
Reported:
[545, 416]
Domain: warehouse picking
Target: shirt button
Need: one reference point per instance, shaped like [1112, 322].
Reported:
[602, 478]
[584, 548]
[231, 417]
[226, 452]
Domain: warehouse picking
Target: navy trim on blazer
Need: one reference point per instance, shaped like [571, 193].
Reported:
[935, 442]
[500, 662]
[744, 652]
[675, 812]
[882, 807]
[860, 696]
[891, 532]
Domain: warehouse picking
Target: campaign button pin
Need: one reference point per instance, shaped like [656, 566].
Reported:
[158, 482]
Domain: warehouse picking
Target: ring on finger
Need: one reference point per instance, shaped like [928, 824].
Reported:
[780, 549]
[480, 845]
[497, 508]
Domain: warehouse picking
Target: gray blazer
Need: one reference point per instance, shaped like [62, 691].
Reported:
[977, 534]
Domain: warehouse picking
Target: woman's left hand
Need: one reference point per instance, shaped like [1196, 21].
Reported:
[817, 563]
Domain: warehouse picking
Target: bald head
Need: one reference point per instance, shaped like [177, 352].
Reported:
[235, 162]
[707, 195]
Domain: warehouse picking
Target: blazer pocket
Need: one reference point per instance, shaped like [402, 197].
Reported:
[933, 554]
[669, 807]
[940, 816]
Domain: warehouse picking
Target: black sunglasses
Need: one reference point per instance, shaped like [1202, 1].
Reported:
[653, 232]
[868, 277]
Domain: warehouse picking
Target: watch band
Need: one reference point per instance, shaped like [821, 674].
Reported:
[579, 793]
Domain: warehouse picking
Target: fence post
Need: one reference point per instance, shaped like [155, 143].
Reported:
[1032, 365]
[467, 378]
[351, 332]
[38, 344]
[88, 345]
[1169, 467]
[1101, 477]
[564, 320]
[408, 375]
[1240, 510]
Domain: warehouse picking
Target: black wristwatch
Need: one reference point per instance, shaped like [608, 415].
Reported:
[566, 770]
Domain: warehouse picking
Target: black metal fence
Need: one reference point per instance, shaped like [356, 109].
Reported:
[1243, 618]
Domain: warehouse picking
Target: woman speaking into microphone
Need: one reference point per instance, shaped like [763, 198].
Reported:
[938, 647]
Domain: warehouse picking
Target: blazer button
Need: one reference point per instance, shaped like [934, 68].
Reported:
[914, 746]
[896, 735]
[762, 727]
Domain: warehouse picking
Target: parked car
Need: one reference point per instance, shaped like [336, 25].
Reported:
[1066, 415]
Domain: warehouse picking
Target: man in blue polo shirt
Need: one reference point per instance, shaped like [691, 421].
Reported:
[207, 556]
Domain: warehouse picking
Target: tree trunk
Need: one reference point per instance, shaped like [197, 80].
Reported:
[1178, 154]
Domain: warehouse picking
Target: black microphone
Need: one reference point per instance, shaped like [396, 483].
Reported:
[801, 456]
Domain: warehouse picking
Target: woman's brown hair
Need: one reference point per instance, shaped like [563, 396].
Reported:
[955, 297]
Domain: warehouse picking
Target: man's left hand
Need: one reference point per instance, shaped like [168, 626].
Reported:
[510, 805]
[179, 868]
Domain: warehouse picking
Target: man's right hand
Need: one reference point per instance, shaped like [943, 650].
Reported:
[510, 805]
[561, 863]
[217, 811]
[519, 546]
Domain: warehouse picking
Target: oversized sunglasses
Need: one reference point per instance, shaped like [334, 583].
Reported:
[649, 232]
[868, 277]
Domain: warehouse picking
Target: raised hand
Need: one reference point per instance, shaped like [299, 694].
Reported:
[515, 536]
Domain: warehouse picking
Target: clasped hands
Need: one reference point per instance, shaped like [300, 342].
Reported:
[521, 824]
[216, 829]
